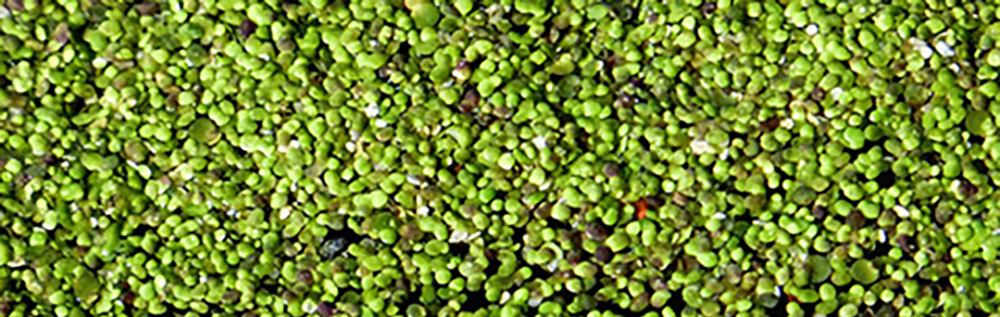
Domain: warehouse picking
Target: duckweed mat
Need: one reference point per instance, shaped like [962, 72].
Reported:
[499, 158]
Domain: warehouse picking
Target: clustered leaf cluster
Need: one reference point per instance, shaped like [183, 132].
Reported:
[499, 158]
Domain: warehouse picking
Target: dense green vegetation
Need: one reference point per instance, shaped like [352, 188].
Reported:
[499, 158]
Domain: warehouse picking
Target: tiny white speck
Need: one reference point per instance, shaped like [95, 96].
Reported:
[350, 146]
[458, 236]
[725, 154]
[540, 142]
[381, 123]
[413, 180]
[534, 302]
[93, 221]
[925, 51]
[788, 123]
[4, 13]
[699, 146]
[812, 29]
[295, 144]
[836, 92]
[944, 49]
[423, 210]
[719, 216]
[881, 235]
[372, 110]
[955, 185]
[264, 57]
[504, 297]
[901, 211]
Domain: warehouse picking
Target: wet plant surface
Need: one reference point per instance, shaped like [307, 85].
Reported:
[498, 158]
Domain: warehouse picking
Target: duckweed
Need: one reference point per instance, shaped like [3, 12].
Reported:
[498, 158]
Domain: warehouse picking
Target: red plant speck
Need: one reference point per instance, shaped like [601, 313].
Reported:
[640, 207]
